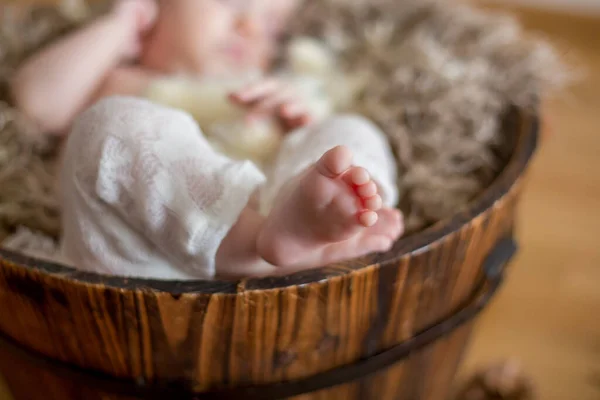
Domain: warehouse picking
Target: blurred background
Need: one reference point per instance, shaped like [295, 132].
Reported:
[547, 316]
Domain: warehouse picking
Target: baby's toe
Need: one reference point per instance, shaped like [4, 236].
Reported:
[398, 223]
[335, 162]
[359, 176]
[373, 203]
[367, 190]
[390, 223]
[368, 218]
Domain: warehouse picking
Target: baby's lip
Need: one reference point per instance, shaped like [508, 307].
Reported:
[238, 52]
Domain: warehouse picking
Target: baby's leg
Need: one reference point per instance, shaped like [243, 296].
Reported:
[306, 146]
[326, 207]
[145, 195]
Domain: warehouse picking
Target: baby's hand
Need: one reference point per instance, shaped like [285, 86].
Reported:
[139, 16]
[272, 98]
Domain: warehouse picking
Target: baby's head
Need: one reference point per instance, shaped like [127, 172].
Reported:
[217, 37]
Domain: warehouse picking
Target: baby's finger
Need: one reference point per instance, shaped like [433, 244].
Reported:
[256, 91]
[298, 122]
[270, 104]
[295, 111]
[294, 116]
[292, 110]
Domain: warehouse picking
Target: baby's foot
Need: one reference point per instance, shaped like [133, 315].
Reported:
[331, 212]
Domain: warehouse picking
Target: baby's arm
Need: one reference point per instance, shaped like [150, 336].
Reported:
[125, 81]
[56, 84]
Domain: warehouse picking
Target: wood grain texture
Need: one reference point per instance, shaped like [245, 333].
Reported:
[205, 335]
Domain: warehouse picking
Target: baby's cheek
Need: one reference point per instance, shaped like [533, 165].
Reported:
[264, 61]
[283, 11]
[273, 26]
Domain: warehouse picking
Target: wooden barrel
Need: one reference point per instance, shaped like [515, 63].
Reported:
[390, 326]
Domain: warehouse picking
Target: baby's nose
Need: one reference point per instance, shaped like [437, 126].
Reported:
[247, 26]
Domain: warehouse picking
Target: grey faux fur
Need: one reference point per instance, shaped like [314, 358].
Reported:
[441, 75]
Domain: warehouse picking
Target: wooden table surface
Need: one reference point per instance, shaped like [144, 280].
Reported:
[548, 314]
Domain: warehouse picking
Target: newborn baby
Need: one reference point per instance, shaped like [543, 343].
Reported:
[146, 193]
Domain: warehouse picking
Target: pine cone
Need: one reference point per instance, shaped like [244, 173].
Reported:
[501, 381]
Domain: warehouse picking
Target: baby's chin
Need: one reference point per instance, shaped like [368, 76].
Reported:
[225, 70]
[216, 67]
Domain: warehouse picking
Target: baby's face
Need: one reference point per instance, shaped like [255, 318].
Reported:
[218, 37]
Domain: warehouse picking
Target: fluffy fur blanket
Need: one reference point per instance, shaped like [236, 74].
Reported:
[441, 77]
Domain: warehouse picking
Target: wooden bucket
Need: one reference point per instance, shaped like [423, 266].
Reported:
[391, 326]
